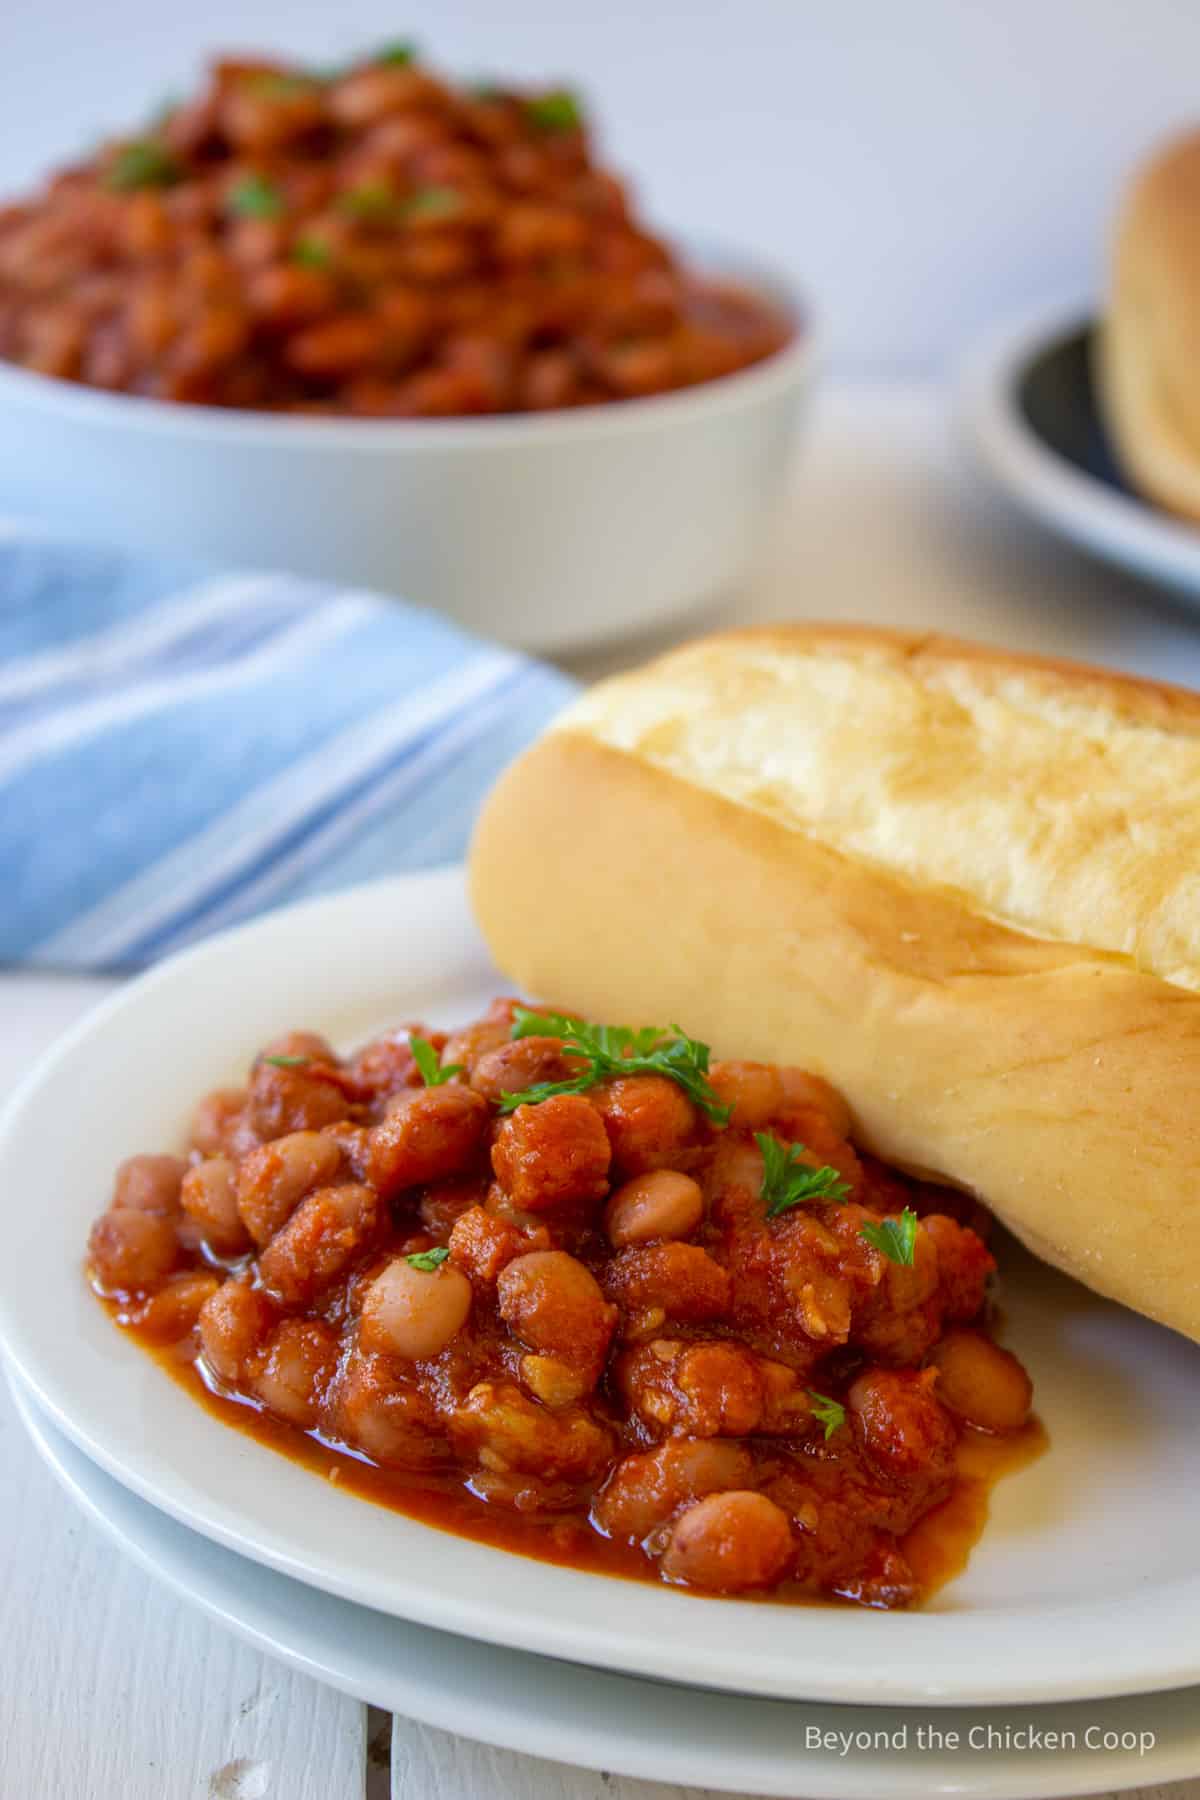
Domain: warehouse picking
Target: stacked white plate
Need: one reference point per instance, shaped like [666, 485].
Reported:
[1063, 1661]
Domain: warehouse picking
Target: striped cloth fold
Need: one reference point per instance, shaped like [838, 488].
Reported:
[180, 749]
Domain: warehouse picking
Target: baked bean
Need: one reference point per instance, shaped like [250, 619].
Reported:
[284, 1099]
[466, 1047]
[512, 1067]
[130, 1249]
[554, 1304]
[811, 1093]
[964, 1263]
[552, 1154]
[981, 1382]
[429, 1134]
[414, 1313]
[753, 1090]
[234, 1323]
[297, 1362]
[149, 1184]
[904, 1430]
[273, 1179]
[645, 1489]
[649, 1121]
[481, 1244]
[210, 1200]
[327, 1231]
[169, 1314]
[378, 1409]
[660, 1204]
[729, 1542]
[216, 1119]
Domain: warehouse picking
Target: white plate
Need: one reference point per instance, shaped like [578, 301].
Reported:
[1087, 1581]
[1029, 408]
[653, 1730]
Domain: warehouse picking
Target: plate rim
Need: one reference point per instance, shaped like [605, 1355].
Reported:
[896, 1658]
[1120, 528]
[1009, 1780]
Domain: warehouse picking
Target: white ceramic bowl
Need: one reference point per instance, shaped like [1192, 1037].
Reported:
[548, 531]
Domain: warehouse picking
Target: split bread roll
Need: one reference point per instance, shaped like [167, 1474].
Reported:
[962, 885]
[1147, 361]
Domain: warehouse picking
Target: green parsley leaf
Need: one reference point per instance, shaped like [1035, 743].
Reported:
[558, 110]
[789, 1181]
[369, 200]
[311, 253]
[426, 1059]
[144, 163]
[288, 1062]
[433, 203]
[397, 55]
[616, 1050]
[428, 1260]
[895, 1238]
[254, 197]
[829, 1413]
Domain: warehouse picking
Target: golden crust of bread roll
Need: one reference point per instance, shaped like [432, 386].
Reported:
[963, 886]
[1147, 360]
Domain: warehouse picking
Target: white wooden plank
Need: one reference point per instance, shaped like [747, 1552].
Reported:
[111, 1689]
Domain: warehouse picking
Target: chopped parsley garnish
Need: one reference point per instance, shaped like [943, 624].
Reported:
[559, 110]
[254, 197]
[288, 1062]
[369, 200]
[311, 253]
[606, 1050]
[397, 55]
[894, 1238]
[426, 1059]
[830, 1414]
[144, 163]
[428, 1260]
[433, 203]
[788, 1181]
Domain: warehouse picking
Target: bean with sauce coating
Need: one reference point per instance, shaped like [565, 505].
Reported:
[414, 1313]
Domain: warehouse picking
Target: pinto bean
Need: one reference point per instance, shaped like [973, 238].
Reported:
[210, 1200]
[429, 1134]
[729, 1542]
[327, 1232]
[413, 1313]
[659, 1204]
[981, 1382]
[272, 1180]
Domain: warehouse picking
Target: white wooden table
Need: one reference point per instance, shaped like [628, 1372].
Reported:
[111, 1689]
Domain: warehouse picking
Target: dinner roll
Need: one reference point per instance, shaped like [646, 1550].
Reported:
[962, 885]
[1147, 361]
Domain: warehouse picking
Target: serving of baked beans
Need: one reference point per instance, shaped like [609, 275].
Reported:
[369, 240]
[577, 1291]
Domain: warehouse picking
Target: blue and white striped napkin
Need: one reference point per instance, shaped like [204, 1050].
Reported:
[180, 749]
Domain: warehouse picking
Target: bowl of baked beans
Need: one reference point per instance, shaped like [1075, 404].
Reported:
[371, 324]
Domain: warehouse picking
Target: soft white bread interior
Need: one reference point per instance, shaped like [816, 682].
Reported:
[1148, 351]
[962, 885]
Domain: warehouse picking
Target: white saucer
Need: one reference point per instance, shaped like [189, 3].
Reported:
[1029, 408]
[1086, 1580]
[653, 1730]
